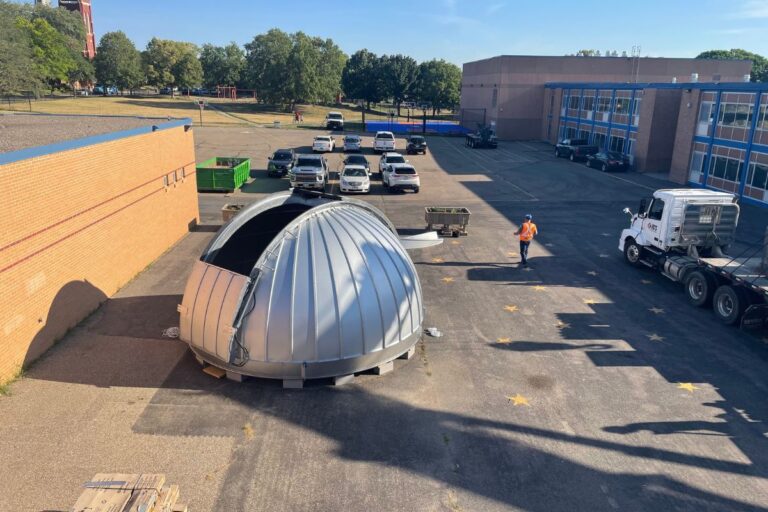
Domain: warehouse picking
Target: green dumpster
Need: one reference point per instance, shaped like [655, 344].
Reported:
[223, 173]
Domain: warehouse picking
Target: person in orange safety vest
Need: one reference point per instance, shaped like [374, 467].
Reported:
[526, 233]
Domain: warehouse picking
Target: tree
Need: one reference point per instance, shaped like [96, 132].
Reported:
[82, 73]
[266, 67]
[759, 63]
[52, 58]
[588, 53]
[361, 78]
[172, 64]
[438, 84]
[398, 74]
[19, 72]
[330, 65]
[222, 65]
[118, 62]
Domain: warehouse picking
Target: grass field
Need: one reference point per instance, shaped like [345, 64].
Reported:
[217, 113]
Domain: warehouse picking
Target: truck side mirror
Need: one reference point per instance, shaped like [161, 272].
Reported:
[627, 211]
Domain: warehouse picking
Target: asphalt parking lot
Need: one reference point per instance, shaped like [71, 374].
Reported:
[578, 384]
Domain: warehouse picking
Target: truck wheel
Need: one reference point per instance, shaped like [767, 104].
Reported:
[728, 304]
[699, 287]
[633, 252]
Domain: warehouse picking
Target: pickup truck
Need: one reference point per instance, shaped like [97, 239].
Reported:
[334, 121]
[575, 149]
[309, 171]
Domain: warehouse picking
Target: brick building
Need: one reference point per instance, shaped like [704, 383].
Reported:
[80, 217]
[83, 7]
[509, 90]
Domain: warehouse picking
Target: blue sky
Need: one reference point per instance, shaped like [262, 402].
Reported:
[455, 30]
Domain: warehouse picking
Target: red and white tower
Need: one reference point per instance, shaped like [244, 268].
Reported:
[84, 8]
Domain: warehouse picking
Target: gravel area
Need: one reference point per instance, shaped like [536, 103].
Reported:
[20, 131]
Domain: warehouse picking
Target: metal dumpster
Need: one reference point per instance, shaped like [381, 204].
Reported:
[448, 220]
[223, 173]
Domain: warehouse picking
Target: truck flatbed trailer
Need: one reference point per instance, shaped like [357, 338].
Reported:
[742, 271]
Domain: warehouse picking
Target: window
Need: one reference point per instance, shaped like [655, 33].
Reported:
[165, 181]
[762, 119]
[725, 168]
[636, 106]
[183, 172]
[617, 144]
[598, 139]
[603, 104]
[656, 210]
[697, 166]
[574, 102]
[621, 106]
[588, 103]
[564, 102]
[584, 134]
[706, 112]
[733, 114]
[758, 175]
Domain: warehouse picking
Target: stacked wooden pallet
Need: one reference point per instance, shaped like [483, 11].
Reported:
[116, 492]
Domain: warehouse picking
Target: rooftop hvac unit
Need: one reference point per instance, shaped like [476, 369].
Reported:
[674, 79]
[747, 78]
[694, 77]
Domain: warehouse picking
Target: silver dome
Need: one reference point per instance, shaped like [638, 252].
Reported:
[302, 286]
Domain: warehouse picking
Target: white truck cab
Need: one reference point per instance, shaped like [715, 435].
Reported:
[680, 219]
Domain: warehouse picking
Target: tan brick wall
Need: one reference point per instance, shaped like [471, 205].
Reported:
[686, 128]
[77, 225]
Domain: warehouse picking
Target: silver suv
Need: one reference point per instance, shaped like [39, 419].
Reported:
[309, 171]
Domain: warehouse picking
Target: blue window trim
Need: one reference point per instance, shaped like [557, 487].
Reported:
[610, 120]
[67, 145]
[762, 148]
[750, 143]
[629, 128]
[711, 138]
[629, 124]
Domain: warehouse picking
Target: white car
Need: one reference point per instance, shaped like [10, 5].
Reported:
[389, 159]
[323, 144]
[384, 141]
[353, 143]
[354, 178]
[401, 177]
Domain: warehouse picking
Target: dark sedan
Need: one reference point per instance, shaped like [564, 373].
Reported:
[608, 161]
[416, 144]
[358, 159]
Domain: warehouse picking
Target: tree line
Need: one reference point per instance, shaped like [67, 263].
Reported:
[43, 46]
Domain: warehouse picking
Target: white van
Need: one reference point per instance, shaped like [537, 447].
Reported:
[384, 141]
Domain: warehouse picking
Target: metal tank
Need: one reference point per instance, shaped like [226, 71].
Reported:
[303, 286]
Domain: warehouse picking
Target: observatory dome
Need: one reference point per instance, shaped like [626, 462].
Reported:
[302, 286]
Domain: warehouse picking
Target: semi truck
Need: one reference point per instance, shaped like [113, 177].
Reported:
[686, 234]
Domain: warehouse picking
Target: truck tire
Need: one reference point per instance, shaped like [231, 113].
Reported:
[729, 304]
[699, 288]
[633, 252]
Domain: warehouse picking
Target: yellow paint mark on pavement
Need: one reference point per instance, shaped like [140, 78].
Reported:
[503, 340]
[511, 309]
[686, 386]
[562, 325]
[447, 280]
[540, 288]
[438, 260]
[590, 301]
[518, 399]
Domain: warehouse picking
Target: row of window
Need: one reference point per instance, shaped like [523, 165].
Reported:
[601, 140]
[603, 104]
[734, 114]
[732, 169]
[173, 177]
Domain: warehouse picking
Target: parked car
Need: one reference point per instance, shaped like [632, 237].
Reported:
[309, 171]
[354, 178]
[400, 177]
[416, 144]
[575, 149]
[281, 162]
[608, 161]
[334, 121]
[384, 141]
[389, 159]
[169, 90]
[358, 160]
[323, 144]
[353, 143]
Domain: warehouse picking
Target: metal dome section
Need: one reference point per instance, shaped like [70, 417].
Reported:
[332, 293]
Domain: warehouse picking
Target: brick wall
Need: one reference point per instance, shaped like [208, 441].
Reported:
[686, 128]
[77, 225]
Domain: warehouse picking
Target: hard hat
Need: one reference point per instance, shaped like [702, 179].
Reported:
[528, 216]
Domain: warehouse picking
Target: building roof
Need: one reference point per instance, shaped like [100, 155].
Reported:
[20, 131]
[722, 86]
